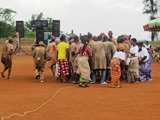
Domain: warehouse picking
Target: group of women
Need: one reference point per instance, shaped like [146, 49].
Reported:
[89, 59]
[95, 59]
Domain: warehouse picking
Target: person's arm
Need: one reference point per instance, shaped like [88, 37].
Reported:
[45, 55]
[34, 53]
[48, 48]
[67, 52]
[90, 55]
[113, 49]
[56, 52]
[142, 60]
[56, 55]
[128, 61]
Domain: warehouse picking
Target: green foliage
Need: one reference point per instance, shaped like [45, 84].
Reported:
[155, 43]
[6, 30]
[30, 35]
[7, 15]
[7, 27]
[40, 16]
[151, 8]
[28, 24]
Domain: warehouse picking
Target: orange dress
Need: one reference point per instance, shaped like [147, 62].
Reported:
[115, 72]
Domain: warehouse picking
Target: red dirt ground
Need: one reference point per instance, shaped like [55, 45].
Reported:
[22, 93]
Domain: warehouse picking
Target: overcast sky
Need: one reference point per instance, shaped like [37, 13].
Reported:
[120, 16]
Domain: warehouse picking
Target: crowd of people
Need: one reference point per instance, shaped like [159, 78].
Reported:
[89, 59]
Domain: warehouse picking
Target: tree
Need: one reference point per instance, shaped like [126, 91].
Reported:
[7, 23]
[151, 8]
[28, 25]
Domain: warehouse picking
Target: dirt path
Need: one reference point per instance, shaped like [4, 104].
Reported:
[22, 93]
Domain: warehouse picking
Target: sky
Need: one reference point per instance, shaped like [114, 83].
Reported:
[95, 16]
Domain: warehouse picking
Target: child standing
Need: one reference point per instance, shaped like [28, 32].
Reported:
[115, 73]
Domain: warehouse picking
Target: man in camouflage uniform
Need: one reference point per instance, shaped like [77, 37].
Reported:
[39, 56]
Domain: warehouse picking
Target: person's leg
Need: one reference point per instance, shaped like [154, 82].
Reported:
[67, 71]
[142, 76]
[83, 82]
[112, 81]
[72, 72]
[59, 71]
[9, 72]
[129, 77]
[4, 70]
[37, 71]
[118, 83]
[41, 76]
[137, 74]
[103, 77]
[64, 74]
[41, 70]
[7, 64]
[53, 71]
[108, 75]
[94, 76]
[148, 75]
[133, 77]
[123, 71]
[76, 78]
[9, 69]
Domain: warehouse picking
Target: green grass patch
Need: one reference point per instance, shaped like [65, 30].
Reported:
[30, 35]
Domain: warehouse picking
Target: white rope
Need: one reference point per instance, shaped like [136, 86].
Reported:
[36, 109]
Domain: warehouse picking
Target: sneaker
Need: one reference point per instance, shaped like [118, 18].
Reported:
[92, 82]
[142, 81]
[104, 83]
[74, 82]
[86, 85]
[118, 86]
[82, 85]
[150, 80]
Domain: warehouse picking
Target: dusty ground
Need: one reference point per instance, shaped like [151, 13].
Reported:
[22, 93]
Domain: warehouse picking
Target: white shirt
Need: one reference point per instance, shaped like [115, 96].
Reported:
[134, 50]
[119, 54]
[143, 53]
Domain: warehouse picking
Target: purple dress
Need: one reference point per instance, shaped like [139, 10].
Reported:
[145, 69]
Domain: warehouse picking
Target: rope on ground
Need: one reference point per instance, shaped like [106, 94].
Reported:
[36, 109]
